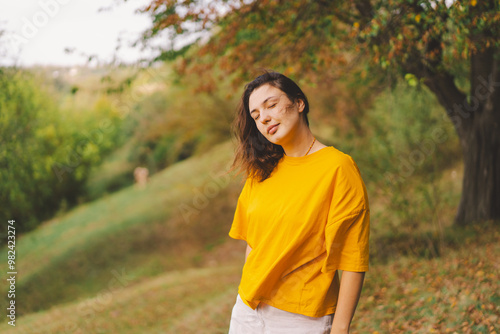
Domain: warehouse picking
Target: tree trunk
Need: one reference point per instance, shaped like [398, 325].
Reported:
[480, 199]
[477, 121]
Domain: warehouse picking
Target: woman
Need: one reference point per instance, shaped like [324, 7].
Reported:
[304, 214]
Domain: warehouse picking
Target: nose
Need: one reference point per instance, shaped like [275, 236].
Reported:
[265, 116]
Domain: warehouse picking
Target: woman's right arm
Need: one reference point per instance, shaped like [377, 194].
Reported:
[247, 252]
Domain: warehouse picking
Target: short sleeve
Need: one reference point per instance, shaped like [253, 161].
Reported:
[348, 227]
[239, 226]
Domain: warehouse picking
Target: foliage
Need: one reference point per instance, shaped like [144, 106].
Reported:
[173, 126]
[407, 144]
[455, 293]
[311, 39]
[45, 153]
[31, 136]
[270, 33]
[405, 134]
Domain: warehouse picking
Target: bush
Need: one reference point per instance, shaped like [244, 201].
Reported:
[45, 154]
[408, 144]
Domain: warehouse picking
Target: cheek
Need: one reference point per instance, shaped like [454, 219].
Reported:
[261, 128]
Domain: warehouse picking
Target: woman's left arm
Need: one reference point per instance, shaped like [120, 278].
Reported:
[350, 290]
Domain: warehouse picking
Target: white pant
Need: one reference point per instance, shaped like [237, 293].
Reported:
[266, 319]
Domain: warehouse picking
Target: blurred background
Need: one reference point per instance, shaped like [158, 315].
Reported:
[116, 145]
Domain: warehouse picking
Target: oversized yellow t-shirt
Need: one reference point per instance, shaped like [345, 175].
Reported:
[309, 219]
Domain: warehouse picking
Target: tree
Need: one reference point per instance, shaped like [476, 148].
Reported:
[29, 136]
[437, 43]
[45, 158]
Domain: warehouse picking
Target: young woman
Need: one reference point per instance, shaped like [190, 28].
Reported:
[304, 214]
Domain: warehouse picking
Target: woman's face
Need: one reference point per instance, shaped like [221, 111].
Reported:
[274, 114]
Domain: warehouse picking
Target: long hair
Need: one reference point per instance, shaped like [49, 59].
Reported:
[255, 154]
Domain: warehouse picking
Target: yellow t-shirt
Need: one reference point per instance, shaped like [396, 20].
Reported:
[309, 219]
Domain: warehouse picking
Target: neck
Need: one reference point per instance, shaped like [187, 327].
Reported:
[300, 143]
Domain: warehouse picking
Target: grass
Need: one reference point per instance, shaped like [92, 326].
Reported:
[144, 231]
[454, 293]
[158, 305]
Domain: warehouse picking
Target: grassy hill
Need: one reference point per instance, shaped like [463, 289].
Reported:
[191, 300]
[142, 231]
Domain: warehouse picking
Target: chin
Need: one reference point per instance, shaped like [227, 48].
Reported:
[275, 141]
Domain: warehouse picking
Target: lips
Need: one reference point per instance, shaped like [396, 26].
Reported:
[272, 128]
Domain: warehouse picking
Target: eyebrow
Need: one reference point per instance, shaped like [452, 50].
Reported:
[270, 97]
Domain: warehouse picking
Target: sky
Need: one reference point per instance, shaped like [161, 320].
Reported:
[38, 31]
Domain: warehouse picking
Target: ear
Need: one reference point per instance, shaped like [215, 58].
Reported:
[301, 105]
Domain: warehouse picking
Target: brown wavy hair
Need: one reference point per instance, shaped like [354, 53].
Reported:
[255, 154]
